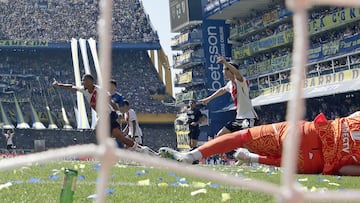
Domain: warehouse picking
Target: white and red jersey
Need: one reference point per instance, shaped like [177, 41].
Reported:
[240, 94]
[130, 116]
[9, 138]
[90, 96]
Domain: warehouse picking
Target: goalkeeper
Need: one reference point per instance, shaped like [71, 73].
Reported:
[327, 146]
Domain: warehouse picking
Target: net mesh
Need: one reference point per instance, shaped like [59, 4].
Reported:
[108, 153]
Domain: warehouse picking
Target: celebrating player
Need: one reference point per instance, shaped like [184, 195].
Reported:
[89, 89]
[238, 87]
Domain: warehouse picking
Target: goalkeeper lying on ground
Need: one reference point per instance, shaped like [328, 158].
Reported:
[327, 146]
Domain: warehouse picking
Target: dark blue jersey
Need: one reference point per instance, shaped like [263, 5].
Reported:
[118, 99]
[193, 115]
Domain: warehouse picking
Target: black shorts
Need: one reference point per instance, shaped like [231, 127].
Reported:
[9, 147]
[113, 121]
[240, 124]
[194, 132]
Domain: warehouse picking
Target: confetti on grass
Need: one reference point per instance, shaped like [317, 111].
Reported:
[144, 182]
[34, 180]
[163, 184]
[97, 167]
[139, 173]
[53, 177]
[56, 171]
[81, 177]
[108, 192]
[302, 179]
[6, 185]
[196, 192]
[225, 197]
[334, 184]
[198, 184]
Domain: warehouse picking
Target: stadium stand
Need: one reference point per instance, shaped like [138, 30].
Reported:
[267, 66]
[59, 21]
[37, 50]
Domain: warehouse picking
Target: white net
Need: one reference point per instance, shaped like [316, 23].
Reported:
[108, 154]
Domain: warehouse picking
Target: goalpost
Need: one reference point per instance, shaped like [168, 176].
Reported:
[80, 112]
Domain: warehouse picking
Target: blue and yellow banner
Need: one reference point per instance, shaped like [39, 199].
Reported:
[182, 139]
[316, 53]
[281, 62]
[185, 78]
[181, 39]
[333, 20]
[331, 48]
[349, 44]
[272, 41]
[270, 17]
[334, 48]
[317, 81]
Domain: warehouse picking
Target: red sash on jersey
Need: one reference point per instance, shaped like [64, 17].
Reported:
[234, 93]
[93, 100]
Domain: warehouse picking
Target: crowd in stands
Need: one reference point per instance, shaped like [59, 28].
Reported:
[350, 30]
[127, 66]
[60, 21]
[333, 106]
[267, 74]
[29, 74]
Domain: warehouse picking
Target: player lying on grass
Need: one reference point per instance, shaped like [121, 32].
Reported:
[327, 146]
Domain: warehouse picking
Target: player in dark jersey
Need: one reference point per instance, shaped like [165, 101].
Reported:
[193, 116]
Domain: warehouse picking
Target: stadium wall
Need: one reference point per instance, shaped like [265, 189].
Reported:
[161, 118]
[45, 44]
[155, 136]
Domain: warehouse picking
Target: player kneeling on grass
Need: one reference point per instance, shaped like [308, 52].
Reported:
[330, 147]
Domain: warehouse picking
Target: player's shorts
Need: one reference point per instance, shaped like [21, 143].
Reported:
[115, 125]
[113, 121]
[240, 124]
[194, 132]
[9, 147]
[119, 143]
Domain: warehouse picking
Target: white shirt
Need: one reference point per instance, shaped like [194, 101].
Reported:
[9, 138]
[130, 116]
[244, 108]
[90, 96]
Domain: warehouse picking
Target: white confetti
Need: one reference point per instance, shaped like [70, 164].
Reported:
[6, 185]
[335, 184]
[204, 191]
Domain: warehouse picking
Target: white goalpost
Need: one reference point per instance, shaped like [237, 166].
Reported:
[82, 122]
[107, 152]
[80, 112]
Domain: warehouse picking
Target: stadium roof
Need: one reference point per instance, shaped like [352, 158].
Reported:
[241, 8]
[310, 92]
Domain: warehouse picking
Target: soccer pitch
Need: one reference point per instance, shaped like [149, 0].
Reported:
[137, 183]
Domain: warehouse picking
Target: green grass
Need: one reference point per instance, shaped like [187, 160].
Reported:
[35, 184]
